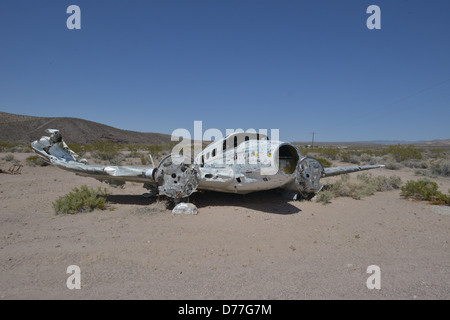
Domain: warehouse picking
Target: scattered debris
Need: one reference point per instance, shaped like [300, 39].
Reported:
[185, 208]
[14, 169]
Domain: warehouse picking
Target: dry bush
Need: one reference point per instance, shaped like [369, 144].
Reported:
[324, 196]
[35, 160]
[363, 185]
[417, 164]
[9, 157]
[441, 167]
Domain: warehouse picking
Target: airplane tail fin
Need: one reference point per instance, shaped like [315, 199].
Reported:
[53, 148]
[55, 151]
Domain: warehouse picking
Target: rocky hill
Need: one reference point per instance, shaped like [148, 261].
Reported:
[24, 129]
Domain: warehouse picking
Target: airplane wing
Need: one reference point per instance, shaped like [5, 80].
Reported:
[173, 177]
[334, 171]
[54, 150]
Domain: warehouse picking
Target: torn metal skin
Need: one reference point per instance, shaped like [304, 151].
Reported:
[239, 163]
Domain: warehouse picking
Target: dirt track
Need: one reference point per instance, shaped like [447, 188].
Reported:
[257, 246]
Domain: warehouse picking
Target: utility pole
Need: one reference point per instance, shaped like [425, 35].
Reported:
[312, 144]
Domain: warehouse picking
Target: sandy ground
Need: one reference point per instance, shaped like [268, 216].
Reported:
[258, 246]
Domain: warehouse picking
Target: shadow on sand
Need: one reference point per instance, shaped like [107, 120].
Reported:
[270, 201]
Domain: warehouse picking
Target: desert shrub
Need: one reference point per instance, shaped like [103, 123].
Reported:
[383, 183]
[104, 150]
[395, 181]
[8, 157]
[390, 162]
[393, 165]
[366, 157]
[330, 153]
[324, 162]
[352, 156]
[364, 185]
[355, 159]
[345, 156]
[375, 160]
[402, 153]
[426, 190]
[145, 159]
[354, 188]
[417, 164]
[9, 147]
[35, 161]
[132, 148]
[324, 196]
[438, 153]
[134, 154]
[79, 149]
[424, 173]
[81, 200]
[441, 167]
[117, 160]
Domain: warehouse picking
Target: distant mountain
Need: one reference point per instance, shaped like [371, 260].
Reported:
[24, 129]
[432, 143]
[445, 142]
[394, 142]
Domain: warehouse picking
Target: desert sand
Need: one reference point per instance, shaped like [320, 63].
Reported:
[257, 246]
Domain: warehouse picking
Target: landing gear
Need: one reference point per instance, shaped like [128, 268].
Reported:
[306, 195]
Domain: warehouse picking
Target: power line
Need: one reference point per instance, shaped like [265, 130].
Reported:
[312, 143]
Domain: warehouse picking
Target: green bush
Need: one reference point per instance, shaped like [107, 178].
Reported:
[402, 153]
[426, 190]
[330, 153]
[438, 153]
[81, 200]
[324, 162]
[8, 147]
[104, 150]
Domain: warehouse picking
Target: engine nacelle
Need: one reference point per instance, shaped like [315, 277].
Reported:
[307, 177]
[176, 177]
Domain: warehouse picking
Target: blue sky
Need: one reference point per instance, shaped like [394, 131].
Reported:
[297, 66]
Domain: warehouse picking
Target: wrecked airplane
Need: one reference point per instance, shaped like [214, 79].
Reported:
[241, 162]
